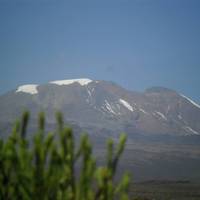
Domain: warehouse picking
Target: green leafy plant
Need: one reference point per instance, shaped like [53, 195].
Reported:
[44, 168]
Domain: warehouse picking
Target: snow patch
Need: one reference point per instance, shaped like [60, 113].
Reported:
[82, 82]
[30, 89]
[126, 104]
[89, 93]
[187, 128]
[144, 111]
[161, 115]
[191, 101]
[109, 107]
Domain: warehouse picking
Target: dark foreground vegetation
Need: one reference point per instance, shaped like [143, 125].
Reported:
[55, 165]
[45, 167]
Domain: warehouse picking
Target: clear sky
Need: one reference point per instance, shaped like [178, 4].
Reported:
[135, 43]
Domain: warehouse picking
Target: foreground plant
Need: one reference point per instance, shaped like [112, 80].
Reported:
[44, 168]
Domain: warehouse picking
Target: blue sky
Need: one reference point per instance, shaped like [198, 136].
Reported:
[135, 43]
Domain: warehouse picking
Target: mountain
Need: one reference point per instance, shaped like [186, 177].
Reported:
[162, 125]
[101, 105]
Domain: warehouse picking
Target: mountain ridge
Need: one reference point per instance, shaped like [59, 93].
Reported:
[103, 104]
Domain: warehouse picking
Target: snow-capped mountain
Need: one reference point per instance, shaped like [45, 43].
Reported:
[104, 105]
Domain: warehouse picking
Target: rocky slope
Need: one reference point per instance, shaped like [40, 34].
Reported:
[102, 105]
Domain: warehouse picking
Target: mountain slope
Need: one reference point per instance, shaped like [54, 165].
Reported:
[105, 105]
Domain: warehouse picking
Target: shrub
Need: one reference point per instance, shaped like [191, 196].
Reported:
[44, 168]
